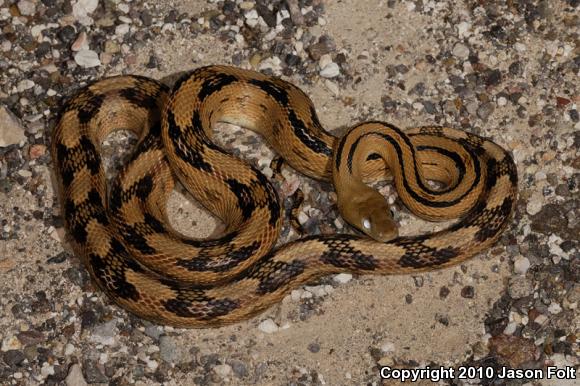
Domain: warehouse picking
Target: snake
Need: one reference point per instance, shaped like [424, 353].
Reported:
[121, 231]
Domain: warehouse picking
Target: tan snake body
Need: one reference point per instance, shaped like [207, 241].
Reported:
[149, 269]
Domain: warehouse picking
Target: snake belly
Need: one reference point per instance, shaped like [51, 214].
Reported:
[133, 255]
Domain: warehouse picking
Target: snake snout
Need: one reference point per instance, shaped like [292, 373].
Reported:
[377, 222]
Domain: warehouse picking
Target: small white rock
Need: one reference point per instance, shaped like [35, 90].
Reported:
[25, 173]
[69, 349]
[10, 343]
[83, 8]
[25, 84]
[125, 19]
[121, 29]
[318, 290]
[324, 60]
[12, 131]
[388, 347]
[47, 369]
[26, 7]
[75, 376]
[302, 218]
[501, 101]
[223, 370]
[36, 31]
[87, 58]
[332, 87]
[253, 14]
[535, 203]
[510, 328]
[554, 308]
[6, 46]
[252, 22]
[463, 28]
[520, 47]
[152, 364]
[268, 326]
[123, 7]
[521, 265]
[460, 50]
[342, 278]
[295, 295]
[331, 70]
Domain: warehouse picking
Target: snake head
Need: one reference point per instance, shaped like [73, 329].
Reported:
[370, 213]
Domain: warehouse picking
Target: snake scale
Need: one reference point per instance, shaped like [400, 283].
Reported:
[122, 234]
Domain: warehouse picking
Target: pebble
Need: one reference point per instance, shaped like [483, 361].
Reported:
[251, 15]
[239, 368]
[295, 12]
[302, 218]
[342, 278]
[87, 58]
[246, 5]
[460, 50]
[314, 347]
[223, 370]
[387, 347]
[521, 265]
[25, 173]
[75, 376]
[46, 369]
[485, 110]
[535, 203]
[151, 363]
[554, 308]
[12, 132]
[122, 29]
[93, 373]
[6, 46]
[123, 7]
[153, 331]
[82, 9]
[510, 328]
[268, 326]
[319, 290]
[296, 294]
[26, 7]
[69, 349]
[519, 287]
[167, 349]
[104, 333]
[25, 84]
[10, 343]
[463, 29]
[323, 47]
[81, 42]
[331, 70]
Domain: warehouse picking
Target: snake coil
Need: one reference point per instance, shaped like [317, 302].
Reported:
[146, 267]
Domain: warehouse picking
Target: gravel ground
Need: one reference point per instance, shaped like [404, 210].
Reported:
[503, 69]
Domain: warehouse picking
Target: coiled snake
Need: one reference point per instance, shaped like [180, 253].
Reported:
[146, 267]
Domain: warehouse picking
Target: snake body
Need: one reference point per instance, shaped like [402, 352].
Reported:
[121, 233]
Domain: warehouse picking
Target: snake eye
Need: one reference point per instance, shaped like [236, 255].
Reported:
[366, 223]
